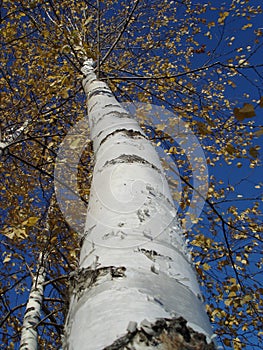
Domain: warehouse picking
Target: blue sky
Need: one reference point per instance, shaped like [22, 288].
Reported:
[244, 179]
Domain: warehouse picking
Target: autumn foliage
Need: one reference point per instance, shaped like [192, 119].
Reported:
[203, 62]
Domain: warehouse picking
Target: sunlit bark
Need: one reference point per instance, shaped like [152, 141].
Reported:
[135, 276]
[12, 137]
[29, 335]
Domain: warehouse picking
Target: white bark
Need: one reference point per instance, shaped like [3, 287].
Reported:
[12, 137]
[134, 265]
[29, 335]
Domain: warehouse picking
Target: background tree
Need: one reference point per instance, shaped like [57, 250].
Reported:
[200, 61]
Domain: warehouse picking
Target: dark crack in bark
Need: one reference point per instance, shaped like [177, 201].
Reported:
[164, 334]
[129, 159]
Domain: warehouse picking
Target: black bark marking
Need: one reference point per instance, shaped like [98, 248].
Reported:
[29, 309]
[133, 134]
[100, 91]
[118, 271]
[173, 334]
[120, 115]
[129, 159]
[91, 108]
[84, 279]
[152, 254]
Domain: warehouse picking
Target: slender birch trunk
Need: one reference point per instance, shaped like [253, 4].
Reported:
[135, 287]
[29, 335]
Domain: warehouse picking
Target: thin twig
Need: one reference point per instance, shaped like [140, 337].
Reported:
[121, 32]
[98, 38]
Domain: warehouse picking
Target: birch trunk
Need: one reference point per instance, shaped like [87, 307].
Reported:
[29, 335]
[135, 287]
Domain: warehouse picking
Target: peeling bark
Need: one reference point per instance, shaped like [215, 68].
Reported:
[135, 277]
[164, 334]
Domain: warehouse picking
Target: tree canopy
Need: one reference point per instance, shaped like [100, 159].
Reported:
[199, 61]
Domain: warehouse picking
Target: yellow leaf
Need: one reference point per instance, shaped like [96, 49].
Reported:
[211, 24]
[231, 83]
[149, 37]
[7, 258]
[247, 111]
[172, 150]
[224, 14]
[76, 143]
[30, 221]
[230, 148]
[232, 280]
[20, 232]
[206, 267]
[222, 17]
[65, 49]
[160, 127]
[245, 327]
[204, 129]
[249, 25]
[261, 102]
[8, 232]
[237, 344]
[73, 253]
[78, 48]
[243, 62]
[228, 302]
[15, 232]
[65, 93]
[246, 299]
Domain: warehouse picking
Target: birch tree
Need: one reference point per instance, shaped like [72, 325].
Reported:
[29, 336]
[202, 61]
[135, 276]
